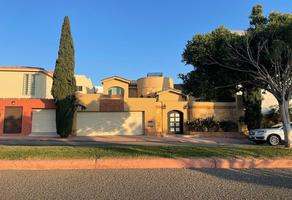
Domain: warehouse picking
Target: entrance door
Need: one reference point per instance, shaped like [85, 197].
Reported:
[13, 120]
[175, 122]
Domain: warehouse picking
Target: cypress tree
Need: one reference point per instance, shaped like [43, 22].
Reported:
[64, 84]
[252, 96]
[252, 102]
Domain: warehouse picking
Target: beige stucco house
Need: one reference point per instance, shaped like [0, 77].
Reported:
[34, 82]
[150, 105]
[25, 82]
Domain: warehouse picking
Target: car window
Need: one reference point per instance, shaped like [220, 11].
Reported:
[277, 126]
[280, 126]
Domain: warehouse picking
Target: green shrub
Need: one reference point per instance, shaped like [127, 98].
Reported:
[209, 124]
[204, 125]
[228, 126]
[196, 125]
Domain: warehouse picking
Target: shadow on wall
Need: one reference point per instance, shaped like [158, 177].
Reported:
[96, 123]
[166, 84]
[226, 113]
[266, 177]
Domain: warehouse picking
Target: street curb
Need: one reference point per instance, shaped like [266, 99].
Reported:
[144, 163]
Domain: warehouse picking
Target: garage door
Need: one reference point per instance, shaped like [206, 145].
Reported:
[109, 123]
[43, 122]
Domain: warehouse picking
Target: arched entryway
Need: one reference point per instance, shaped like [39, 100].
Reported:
[175, 122]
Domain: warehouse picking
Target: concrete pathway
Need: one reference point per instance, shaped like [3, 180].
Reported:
[113, 140]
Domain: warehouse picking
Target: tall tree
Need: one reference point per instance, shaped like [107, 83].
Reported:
[208, 81]
[252, 97]
[64, 84]
[265, 53]
[252, 102]
[257, 19]
[264, 58]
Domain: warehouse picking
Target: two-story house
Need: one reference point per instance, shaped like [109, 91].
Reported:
[150, 105]
[26, 103]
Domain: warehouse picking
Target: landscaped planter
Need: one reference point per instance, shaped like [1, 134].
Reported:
[219, 134]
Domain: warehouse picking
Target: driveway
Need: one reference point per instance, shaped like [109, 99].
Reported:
[129, 140]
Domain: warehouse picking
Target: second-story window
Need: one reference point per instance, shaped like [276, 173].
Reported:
[79, 88]
[116, 91]
[33, 82]
[25, 84]
[29, 84]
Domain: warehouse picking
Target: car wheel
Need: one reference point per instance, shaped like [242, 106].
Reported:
[274, 140]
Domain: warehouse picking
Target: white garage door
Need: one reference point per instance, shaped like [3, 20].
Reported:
[43, 122]
[109, 123]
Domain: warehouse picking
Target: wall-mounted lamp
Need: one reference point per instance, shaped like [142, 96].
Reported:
[163, 106]
[13, 102]
[186, 106]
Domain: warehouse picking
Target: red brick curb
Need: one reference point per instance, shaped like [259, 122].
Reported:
[144, 163]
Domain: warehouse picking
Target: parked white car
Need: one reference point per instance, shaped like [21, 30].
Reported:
[273, 136]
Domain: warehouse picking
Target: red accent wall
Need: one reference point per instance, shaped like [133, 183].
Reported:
[27, 105]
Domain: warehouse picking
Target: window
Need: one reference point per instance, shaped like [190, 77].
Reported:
[29, 84]
[79, 88]
[33, 81]
[25, 84]
[116, 91]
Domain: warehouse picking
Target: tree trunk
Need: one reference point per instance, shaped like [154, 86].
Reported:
[284, 111]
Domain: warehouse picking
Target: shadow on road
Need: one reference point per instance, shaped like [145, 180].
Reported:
[281, 178]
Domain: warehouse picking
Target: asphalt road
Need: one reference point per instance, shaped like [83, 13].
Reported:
[147, 184]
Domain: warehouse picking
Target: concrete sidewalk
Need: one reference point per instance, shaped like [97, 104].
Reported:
[144, 163]
[113, 140]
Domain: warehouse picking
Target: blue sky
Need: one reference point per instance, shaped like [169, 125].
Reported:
[117, 37]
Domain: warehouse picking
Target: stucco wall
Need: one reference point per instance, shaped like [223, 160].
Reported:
[27, 106]
[220, 111]
[149, 85]
[148, 106]
[133, 92]
[91, 101]
[11, 85]
[156, 112]
[116, 83]
[170, 96]
[86, 83]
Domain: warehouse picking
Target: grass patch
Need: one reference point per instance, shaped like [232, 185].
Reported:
[121, 151]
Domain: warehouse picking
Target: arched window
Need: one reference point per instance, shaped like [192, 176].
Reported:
[115, 91]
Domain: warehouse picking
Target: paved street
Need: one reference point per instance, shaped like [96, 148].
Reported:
[114, 140]
[147, 184]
